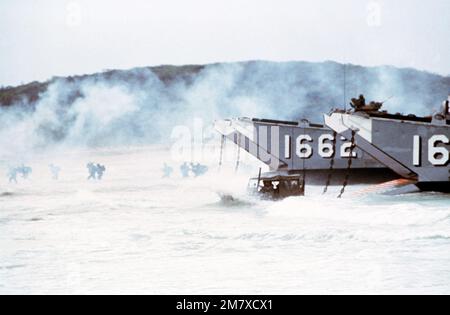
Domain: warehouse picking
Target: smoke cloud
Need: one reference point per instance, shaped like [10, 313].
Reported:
[138, 107]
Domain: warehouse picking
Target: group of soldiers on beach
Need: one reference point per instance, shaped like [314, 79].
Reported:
[96, 172]
[23, 170]
[186, 169]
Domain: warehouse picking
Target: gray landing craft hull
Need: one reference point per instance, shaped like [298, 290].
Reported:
[289, 147]
[416, 150]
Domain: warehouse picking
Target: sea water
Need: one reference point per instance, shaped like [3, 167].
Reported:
[135, 232]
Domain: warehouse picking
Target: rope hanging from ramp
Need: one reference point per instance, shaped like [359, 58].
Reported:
[350, 161]
[222, 145]
[303, 180]
[238, 160]
[330, 172]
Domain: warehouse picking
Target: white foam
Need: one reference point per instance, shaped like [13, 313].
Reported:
[137, 233]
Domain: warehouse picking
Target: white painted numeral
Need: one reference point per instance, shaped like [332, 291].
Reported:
[438, 156]
[345, 150]
[417, 151]
[326, 149]
[304, 150]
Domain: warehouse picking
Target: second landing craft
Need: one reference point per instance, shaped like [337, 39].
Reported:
[415, 148]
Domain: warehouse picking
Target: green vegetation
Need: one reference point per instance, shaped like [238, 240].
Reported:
[30, 93]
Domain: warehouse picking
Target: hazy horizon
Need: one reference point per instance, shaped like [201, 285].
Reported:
[40, 39]
[219, 62]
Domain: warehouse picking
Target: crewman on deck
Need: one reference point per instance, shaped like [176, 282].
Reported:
[446, 108]
[359, 103]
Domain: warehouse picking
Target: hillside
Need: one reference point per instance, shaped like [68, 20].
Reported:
[321, 83]
[29, 93]
[147, 105]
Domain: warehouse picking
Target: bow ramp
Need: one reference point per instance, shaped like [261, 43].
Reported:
[261, 142]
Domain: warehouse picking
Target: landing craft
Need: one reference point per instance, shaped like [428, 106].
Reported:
[415, 148]
[305, 149]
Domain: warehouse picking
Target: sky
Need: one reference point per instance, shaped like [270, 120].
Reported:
[44, 38]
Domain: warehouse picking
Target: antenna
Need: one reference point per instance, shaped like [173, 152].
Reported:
[345, 86]
[388, 99]
[447, 106]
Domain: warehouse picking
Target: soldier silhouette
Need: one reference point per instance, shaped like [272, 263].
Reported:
[92, 171]
[184, 169]
[12, 174]
[55, 170]
[199, 169]
[101, 169]
[167, 171]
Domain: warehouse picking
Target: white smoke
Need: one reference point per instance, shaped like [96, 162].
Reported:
[136, 108]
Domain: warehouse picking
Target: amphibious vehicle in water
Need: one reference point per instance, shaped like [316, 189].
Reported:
[276, 186]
